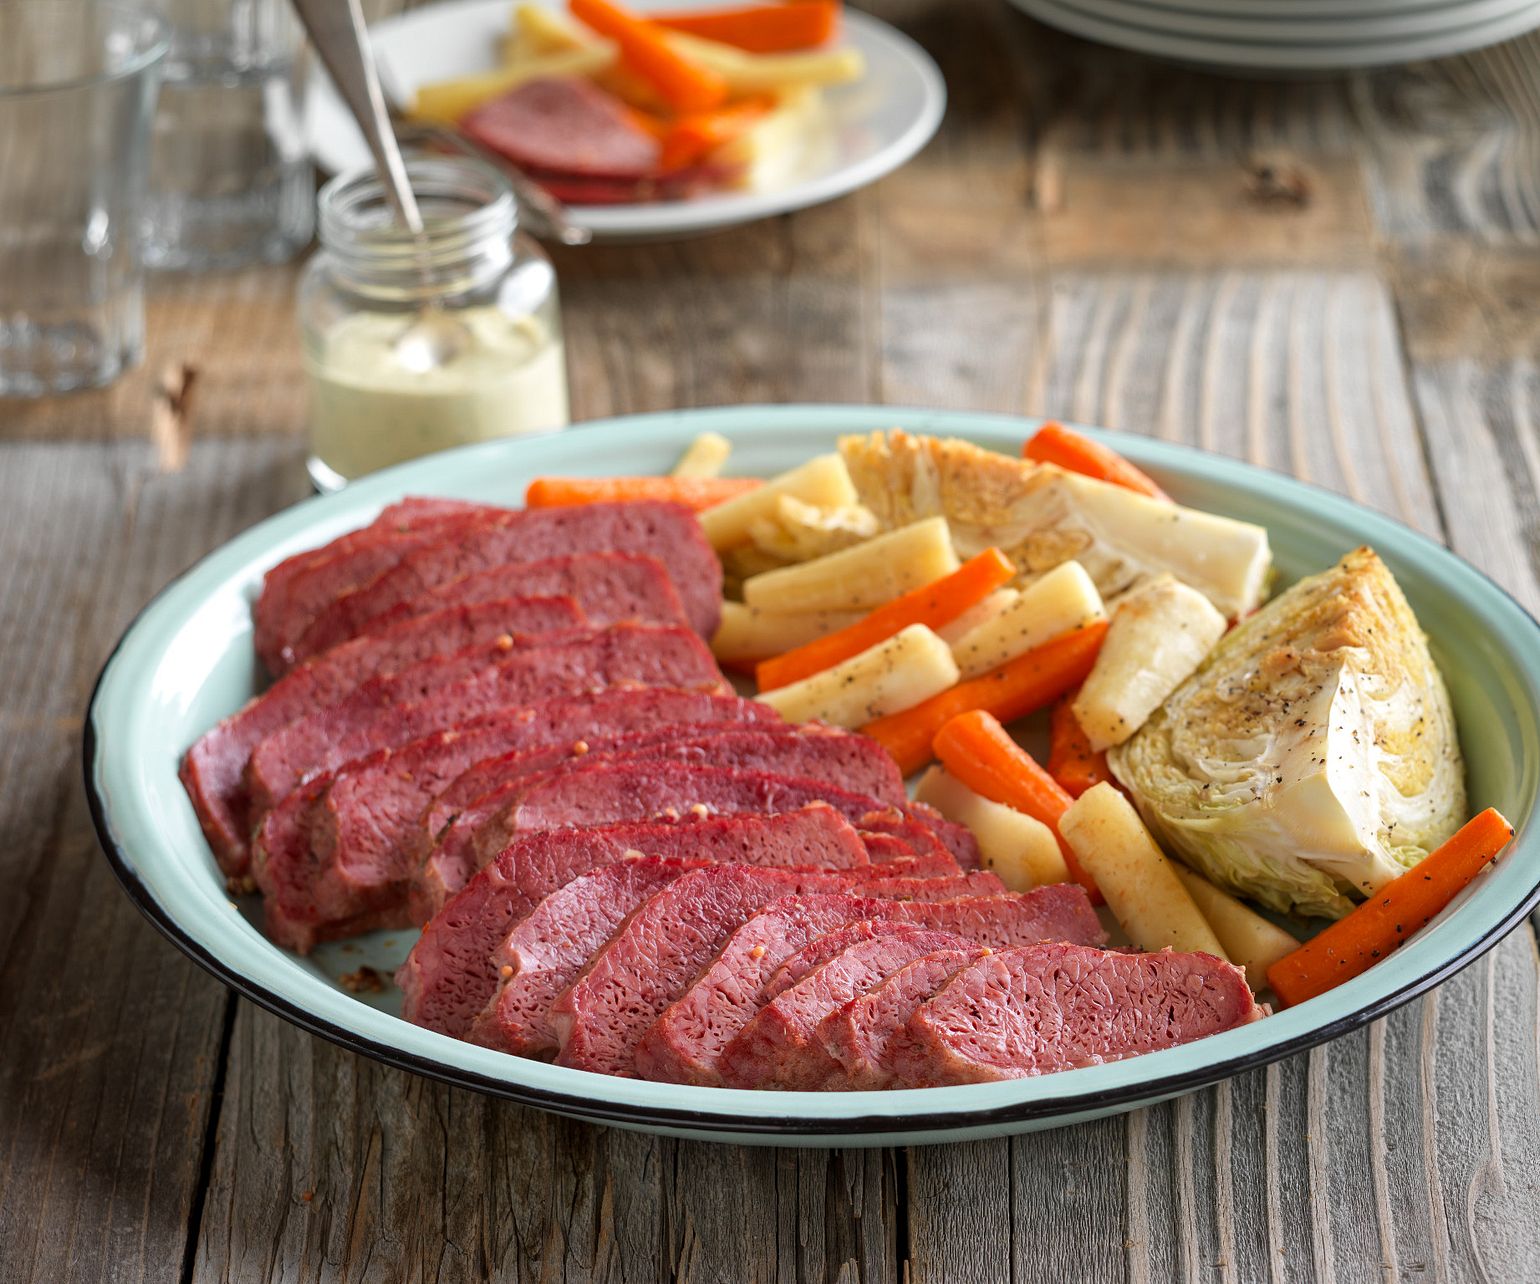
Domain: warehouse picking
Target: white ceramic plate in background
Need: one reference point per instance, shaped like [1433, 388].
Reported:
[1305, 37]
[875, 124]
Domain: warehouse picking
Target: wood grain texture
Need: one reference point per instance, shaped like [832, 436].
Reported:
[1331, 278]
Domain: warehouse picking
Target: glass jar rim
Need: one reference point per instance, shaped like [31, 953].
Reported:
[348, 206]
[152, 37]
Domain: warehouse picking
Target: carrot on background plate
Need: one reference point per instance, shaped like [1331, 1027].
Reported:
[976, 749]
[695, 493]
[691, 138]
[1071, 760]
[932, 605]
[1356, 942]
[1055, 444]
[759, 28]
[1018, 687]
[685, 85]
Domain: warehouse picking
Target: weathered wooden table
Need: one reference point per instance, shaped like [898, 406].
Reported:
[1336, 278]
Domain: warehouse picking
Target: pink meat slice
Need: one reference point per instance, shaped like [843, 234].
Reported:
[404, 514]
[297, 590]
[213, 770]
[448, 978]
[778, 1048]
[346, 834]
[565, 125]
[609, 587]
[821, 949]
[688, 1042]
[668, 532]
[508, 671]
[542, 956]
[630, 791]
[601, 1018]
[518, 1018]
[457, 836]
[865, 1036]
[1045, 1008]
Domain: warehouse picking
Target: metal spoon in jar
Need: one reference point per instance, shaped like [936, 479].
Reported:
[336, 28]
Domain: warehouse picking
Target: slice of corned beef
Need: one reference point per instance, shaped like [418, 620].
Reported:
[464, 683]
[295, 591]
[213, 770]
[853, 762]
[668, 532]
[608, 587]
[341, 844]
[403, 515]
[906, 827]
[821, 949]
[778, 1048]
[650, 961]
[863, 1036]
[367, 815]
[1045, 1008]
[566, 125]
[561, 938]
[884, 847]
[543, 955]
[687, 1043]
[632, 791]
[448, 977]
[420, 887]
[469, 823]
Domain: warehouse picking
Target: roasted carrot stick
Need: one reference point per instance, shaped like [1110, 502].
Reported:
[695, 493]
[1012, 691]
[759, 28]
[683, 84]
[692, 137]
[976, 749]
[1354, 944]
[1071, 760]
[931, 604]
[1056, 444]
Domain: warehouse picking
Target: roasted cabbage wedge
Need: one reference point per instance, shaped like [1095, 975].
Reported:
[1313, 756]
[1041, 516]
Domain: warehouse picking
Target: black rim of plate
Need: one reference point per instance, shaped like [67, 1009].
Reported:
[707, 1122]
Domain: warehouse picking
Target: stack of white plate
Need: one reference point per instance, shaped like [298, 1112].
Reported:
[1292, 35]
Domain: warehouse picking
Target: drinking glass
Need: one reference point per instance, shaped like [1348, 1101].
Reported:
[77, 86]
[230, 178]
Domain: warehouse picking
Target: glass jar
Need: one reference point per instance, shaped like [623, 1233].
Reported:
[371, 404]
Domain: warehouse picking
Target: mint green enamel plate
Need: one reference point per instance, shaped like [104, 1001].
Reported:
[187, 661]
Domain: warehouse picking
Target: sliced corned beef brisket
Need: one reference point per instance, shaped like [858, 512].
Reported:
[295, 591]
[863, 1036]
[213, 770]
[340, 845]
[778, 1047]
[629, 791]
[686, 1044]
[364, 813]
[477, 806]
[609, 587]
[668, 532]
[448, 977]
[1044, 1008]
[392, 710]
[650, 961]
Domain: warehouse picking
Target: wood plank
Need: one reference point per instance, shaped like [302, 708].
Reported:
[112, 1040]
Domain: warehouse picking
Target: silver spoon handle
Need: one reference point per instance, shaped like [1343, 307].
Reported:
[336, 28]
[550, 220]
